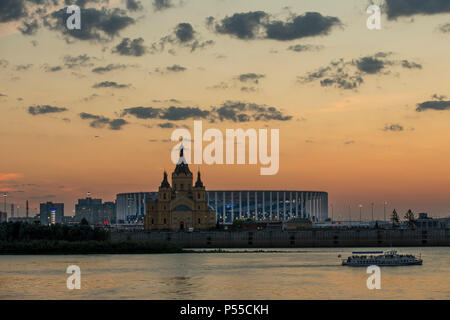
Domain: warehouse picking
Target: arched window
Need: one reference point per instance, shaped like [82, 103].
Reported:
[198, 195]
[198, 220]
[164, 220]
[165, 196]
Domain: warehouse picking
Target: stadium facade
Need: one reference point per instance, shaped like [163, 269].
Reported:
[239, 204]
[268, 205]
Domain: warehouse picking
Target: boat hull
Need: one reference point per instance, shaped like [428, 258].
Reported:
[383, 264]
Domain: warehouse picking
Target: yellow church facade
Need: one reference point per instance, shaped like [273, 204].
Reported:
[180, 206]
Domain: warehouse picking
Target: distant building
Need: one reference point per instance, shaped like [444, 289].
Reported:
[425, 222]
[23, 219]
[130, 207]
[3, 217]
[95, 212]
[51, 213]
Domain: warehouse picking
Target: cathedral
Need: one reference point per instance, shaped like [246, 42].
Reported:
[182, 205]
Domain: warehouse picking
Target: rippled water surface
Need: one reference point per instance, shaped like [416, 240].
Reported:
[289, 274]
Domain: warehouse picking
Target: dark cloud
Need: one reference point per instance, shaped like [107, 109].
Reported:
[349, 75]
[398, 8]
[4, 63]
[250, 77]
[108, 68]
[439, 105]
[160, 5]
[134, 5]
[129, 47]
[12, 10]
[393, 127]
[82, 60]
[304, 47]
[259, 25]
[29, 28]
[237, 111]
[246, 26]
[308, 25]
[23, 67]
[438, 97]
[98, 121]
[176, 68]
[98, 25]
[171, 113]
[370, 65]
[349, 142]
[167, 125]
[45, 109]
[2, 95]
[110, 84]
[48, 68]
[445, 28]
[248, 89]
[411, 65]
[183, 35]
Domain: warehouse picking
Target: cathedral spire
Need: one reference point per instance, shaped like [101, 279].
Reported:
[198, 183]
[165, 182]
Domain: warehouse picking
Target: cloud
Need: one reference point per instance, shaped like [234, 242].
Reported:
[4, 63]
[134, 5]
[398, 8]
[29, 28]
[304, 47]
[350, 74]
[12, 10]
[250, 77]
[48, 68]
[108, 68]
[23, 67]
[445, 28]
[176, 68]
[370, 65]
[2, 95]
[98, 25]
[171, 113]
[260, 25]
[98, 121]
[411, 65]
[393, 127]
[183, 35]
[45, 109]
[237, 111]
[110, 84]
[82, 60]
[160, 5]
[437, 105]
[349, 142]
[128, 47]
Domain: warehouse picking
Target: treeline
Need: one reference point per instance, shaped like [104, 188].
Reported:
[19, 232]
[86, 247]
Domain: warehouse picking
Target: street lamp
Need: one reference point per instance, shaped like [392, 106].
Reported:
[372, 204]
[4, 200]
[360, 213]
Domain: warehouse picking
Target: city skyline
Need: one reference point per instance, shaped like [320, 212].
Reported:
[363, 114]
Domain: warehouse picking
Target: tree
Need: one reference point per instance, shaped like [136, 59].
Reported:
[84, 222]
[395, 219]
[410, 219]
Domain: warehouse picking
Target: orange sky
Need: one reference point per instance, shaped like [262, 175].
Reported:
[347, 142]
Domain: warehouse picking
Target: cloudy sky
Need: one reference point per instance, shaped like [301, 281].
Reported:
[363, 114]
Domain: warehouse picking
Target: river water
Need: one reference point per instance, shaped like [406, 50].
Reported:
[285, 274]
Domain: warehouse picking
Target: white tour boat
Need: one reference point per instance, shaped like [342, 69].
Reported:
[378, 258]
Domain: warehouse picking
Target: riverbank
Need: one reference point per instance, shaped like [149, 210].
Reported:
[49, 247]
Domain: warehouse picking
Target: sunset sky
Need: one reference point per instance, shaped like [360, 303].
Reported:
[363, 114]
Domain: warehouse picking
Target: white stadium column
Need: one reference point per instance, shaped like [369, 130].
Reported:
[240, 204]
[296, 204]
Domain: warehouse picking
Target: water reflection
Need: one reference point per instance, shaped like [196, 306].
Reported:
[309, 274]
